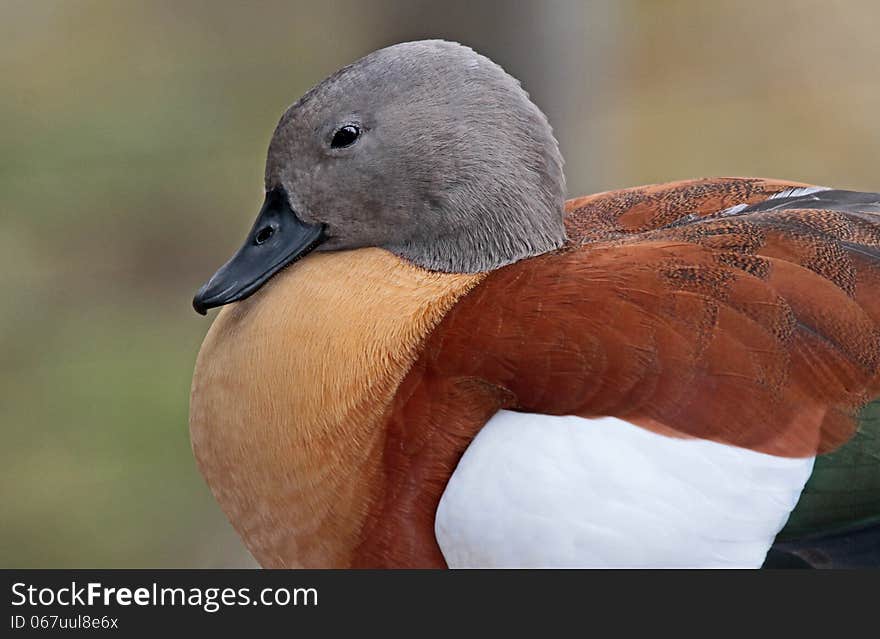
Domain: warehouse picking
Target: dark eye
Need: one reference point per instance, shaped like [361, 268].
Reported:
[346, 136]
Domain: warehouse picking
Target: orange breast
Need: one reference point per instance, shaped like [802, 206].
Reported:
[289, 395]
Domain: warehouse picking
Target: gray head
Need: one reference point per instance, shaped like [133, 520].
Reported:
[426, 149]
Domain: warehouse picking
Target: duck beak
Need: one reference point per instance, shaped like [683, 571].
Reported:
[278, 238]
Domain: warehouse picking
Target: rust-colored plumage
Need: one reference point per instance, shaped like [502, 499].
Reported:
[758, 329]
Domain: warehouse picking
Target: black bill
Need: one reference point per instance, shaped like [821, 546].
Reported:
[277, 238]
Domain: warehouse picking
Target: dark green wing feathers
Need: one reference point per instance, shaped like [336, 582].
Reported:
[844, 490]
[836, 523]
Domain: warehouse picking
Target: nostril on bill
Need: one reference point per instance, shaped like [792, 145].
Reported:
[264, 234]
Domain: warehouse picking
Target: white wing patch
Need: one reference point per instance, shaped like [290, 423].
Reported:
[542, 491]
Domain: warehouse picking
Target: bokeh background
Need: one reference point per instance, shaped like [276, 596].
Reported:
[132, 141]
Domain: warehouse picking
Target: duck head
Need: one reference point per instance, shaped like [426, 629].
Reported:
[426, 149]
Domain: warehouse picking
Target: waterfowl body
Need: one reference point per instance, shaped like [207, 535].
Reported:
[462, 369]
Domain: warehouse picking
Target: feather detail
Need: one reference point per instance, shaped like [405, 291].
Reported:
[759, 329]
[672, 307]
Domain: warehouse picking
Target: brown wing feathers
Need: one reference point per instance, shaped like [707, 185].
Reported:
[759, 329]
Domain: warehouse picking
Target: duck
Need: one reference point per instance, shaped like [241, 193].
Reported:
[428, 357]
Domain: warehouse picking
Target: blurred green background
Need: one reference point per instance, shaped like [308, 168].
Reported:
[132, 140]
